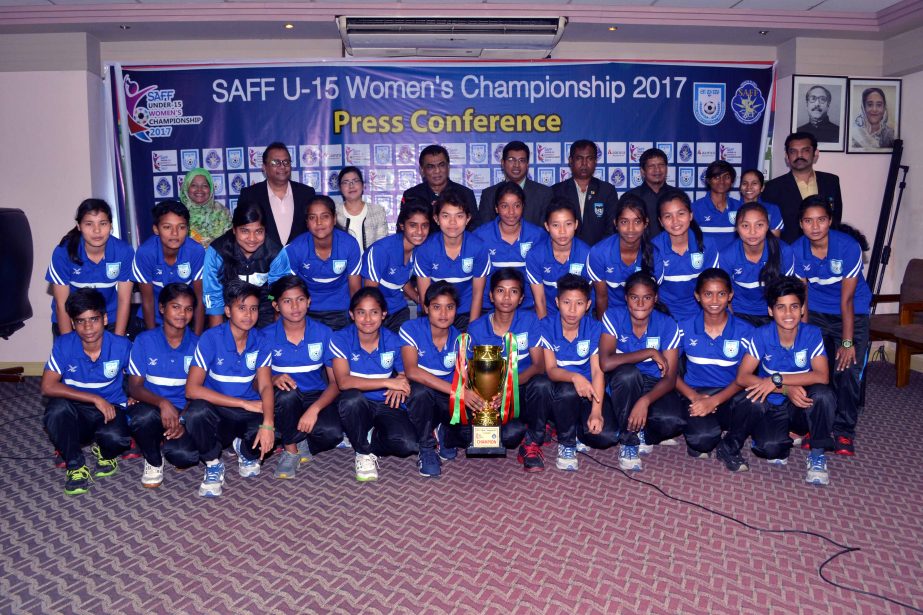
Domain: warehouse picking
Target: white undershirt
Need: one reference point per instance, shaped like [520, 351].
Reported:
[355, 223]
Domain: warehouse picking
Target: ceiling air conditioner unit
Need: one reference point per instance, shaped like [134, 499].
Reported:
[453, 37]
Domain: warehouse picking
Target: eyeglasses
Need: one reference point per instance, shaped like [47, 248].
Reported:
[351, 182]
[512, 160]
[280, 163]
[818, 99]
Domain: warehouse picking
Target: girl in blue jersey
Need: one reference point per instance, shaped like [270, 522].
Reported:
[716, 211]
[302, 376]
[83, 383]
[838, 302]
[170, 256]
[429, 356]
[561, 253]
[328, 259]
[507, 289]
[639, 351]
[713, 344]
[509, 238]
[242, 253]
[681, 252]
[388, 263]
[785, 376]
[370, 374]
[454, 255]
[229, 388]
[579, 403]
[160, 360]
[753, 261]
[752, 183]
[89, 257]
[618, 256]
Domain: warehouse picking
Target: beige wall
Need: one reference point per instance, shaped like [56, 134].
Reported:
[52, 110]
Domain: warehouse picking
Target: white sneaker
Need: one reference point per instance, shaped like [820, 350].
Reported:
[777, 462]
[246, 467]
[213, 481]
[366, 467]
[567, 458]
[669, 442]
[817, 470]
[152, 476]
[344, 443]
[629, 459]
[644, 448]
[582, 448]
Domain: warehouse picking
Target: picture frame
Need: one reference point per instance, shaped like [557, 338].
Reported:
[819, 105]
[870, 99]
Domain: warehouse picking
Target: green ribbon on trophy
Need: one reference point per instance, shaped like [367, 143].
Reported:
[488, 374]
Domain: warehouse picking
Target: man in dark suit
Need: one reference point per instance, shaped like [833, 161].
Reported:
[284, 203]
[515, 165]
[654, 175]
[594, 198]
[434, 168]
[817, 103]
[802, 181]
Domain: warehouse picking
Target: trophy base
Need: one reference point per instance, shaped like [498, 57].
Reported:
[485, 442]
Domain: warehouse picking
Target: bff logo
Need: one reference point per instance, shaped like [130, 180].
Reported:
[250, 359]
[314, 351]
[801, 358]
[467, 264]
[111, 368]
[583, 348]
[653, 342]
[387, 359]
[449, 360]
[187, 361]
[731, 348]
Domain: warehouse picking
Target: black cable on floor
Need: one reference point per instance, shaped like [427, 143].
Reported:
[844, 549]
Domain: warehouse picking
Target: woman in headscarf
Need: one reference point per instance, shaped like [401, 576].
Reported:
[872, 129]
[207, 220]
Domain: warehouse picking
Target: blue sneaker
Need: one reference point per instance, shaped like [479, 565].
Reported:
[567, 458]
[428, 463]
[817, 469]
[344, 443]
[644, 448]
[629, 458]
[304, 452]
[213, 481]
[582, 448]
[246, 467]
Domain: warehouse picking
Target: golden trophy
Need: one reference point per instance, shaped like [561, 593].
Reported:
[486, 373]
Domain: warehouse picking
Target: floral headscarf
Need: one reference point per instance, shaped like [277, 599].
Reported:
[209, 220]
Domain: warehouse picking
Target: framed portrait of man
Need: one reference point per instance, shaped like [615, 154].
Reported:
[819, 106]
[874, 115]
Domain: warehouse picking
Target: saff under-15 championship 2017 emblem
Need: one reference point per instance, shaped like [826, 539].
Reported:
[708, 102]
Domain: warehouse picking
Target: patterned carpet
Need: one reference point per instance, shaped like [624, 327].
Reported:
[485, 538]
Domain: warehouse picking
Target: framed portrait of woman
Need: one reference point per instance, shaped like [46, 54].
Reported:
[874, 115]
[819, 108]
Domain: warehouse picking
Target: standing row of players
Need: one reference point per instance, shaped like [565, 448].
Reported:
[407, 264]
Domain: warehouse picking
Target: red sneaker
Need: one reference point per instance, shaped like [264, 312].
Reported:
[531, 457]
[133, 451]
[59, 461]
[806, 442]
[844, 446]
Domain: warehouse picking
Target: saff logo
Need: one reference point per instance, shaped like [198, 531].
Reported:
[748, 103]
[708, 102]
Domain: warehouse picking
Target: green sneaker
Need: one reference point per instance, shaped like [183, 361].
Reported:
[77, 481]
[104, 467]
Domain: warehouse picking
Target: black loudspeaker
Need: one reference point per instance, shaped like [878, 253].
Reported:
[15, 275]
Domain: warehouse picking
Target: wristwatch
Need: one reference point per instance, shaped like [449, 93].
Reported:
[776, 379]
[846, 343]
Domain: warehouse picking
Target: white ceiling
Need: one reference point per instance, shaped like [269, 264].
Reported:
[682, 21]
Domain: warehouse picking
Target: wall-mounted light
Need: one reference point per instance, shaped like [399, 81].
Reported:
[124, 26]
[613, 28]
[764, 32]
[289, 26]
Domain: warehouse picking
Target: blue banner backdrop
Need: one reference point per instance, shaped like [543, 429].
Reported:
[379, 116]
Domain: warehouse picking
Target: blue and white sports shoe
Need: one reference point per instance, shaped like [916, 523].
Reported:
[778, 462]
[629, 458]
[567, 458]
[817, 469]
[428, 463]
[644, 448]
[213, 481]
[246, 467]
[582, 448]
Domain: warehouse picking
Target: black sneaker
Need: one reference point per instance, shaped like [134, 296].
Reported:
[104, 467]
[77, 481]
[697, 454]
[733, 462]
[531, 457]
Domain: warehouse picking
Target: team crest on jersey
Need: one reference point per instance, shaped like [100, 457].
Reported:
[183, 270]
[314, 351]
[731, 348]
[250, 359]
[522, 340]
[653, 342]
[801, 358]
[467, 264]
[598, 209]
[698, 259]
[339, 267]
[112, 270]
[187, 361]
[111, 368]
[836, 266]
[387, 359]
[524, 248]
[449, 360]
[583, 348]
[576, 268]
[732, 217]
